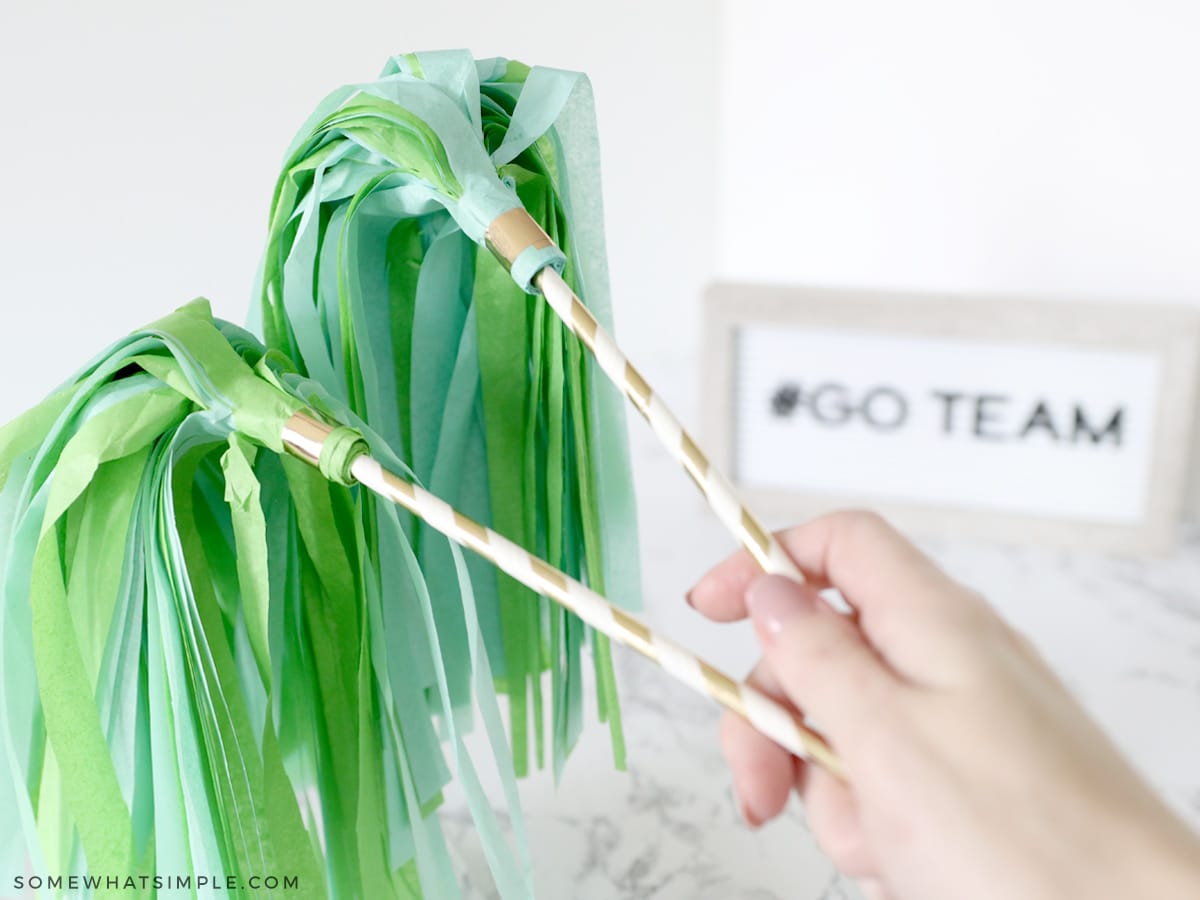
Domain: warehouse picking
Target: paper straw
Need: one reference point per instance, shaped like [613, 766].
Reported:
[305, 437]
[514, 233]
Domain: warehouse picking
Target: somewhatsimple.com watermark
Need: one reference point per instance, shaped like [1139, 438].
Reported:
[199, 883]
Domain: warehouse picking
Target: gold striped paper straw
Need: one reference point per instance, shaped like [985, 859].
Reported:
[305, 437]
[514, 232]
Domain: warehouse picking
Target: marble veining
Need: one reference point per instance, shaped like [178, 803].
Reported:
[1124, 634]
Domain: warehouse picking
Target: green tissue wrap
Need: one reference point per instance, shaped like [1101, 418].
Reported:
[231, 675]
[375, 283]
[218, 659]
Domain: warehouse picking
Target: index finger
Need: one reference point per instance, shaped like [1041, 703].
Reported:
[857, 552]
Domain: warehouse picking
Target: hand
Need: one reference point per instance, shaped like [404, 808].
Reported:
[971, 772]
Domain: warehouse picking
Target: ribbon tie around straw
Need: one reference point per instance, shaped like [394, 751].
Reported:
[338, 452]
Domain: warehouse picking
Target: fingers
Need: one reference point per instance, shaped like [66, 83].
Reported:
[858, 552]
[763, 772]
[764, 776]
[820, 658]
[834, 819]
[882, 574]
[911, 612]
[873, 889]
[721, 593]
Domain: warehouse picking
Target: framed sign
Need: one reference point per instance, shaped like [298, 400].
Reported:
[1049, 422]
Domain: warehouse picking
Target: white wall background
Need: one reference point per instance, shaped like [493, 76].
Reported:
[1024, 146]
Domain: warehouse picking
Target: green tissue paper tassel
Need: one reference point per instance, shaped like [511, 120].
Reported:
[374, 281]
[217, 662]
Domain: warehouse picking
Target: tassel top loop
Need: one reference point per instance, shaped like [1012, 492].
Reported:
[339, 451]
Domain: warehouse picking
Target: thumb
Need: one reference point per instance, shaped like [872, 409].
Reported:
[820, 657]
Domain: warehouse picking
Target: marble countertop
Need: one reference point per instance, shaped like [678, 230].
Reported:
[1123, 633]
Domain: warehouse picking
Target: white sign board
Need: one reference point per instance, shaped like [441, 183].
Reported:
[1030, 420]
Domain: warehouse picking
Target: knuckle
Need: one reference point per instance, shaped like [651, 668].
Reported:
[865, 683]
[815, 649]
[865, 523]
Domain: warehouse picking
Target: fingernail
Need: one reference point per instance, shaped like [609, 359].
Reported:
[748, 814]
[688, 598]
[774, 601]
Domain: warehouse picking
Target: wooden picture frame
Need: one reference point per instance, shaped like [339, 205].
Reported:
[1170, 335]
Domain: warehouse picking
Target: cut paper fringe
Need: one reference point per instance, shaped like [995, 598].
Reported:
[230, 664]
[234, 673]
[375, 283]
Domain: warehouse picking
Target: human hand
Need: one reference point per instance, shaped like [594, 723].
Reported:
[971, 771]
